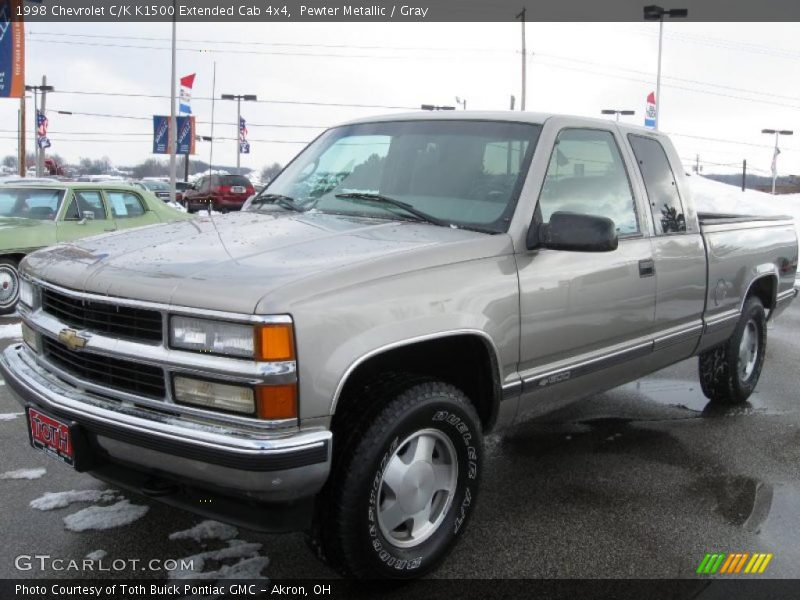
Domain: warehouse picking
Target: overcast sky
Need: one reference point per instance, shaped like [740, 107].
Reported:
[724, 81]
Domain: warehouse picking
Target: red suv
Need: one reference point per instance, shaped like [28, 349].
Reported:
[223, 192]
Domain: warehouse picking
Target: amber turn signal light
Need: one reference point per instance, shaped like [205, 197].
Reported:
[277, 401]
[274, 342]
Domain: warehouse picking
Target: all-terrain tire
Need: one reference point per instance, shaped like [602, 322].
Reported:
[729, 372]
[398, 419]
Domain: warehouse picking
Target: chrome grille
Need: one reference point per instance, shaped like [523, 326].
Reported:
[123, 375]
[135, 324]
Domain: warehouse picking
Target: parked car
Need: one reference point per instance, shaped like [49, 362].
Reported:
[35, 215]
[223, 192]
[332, 359]
[157, 187]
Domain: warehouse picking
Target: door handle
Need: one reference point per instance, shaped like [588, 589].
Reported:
[647, 267]
[112, 229]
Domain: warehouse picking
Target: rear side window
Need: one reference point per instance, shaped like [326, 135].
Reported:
[659, 181]
[125, 205]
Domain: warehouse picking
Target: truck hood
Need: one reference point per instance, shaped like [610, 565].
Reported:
[231, 263]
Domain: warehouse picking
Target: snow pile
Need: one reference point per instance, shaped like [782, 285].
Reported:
[9, 416]
[248, 566]
[24, 474]
[207, 530]
[11, 331]
[714, 196]
[96, 555]
[105, 517]
[53, 500]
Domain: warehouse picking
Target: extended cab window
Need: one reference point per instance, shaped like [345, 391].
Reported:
[586, 175]
[659, 181]
[460, 172]
[125, 205]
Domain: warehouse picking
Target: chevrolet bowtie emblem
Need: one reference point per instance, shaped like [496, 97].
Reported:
[72, 339]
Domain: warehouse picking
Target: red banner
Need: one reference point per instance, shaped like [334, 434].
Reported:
[12, 50]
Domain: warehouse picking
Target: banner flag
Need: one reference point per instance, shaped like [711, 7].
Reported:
[12, 51]
[41, 130]
[244, 145]
[186, 134]
[186, 94]
[650, 111]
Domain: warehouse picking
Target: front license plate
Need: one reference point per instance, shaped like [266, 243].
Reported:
[51, 436]
[237, 189]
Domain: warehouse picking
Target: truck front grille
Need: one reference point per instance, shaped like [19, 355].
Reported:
[135, 324]
[123, 375]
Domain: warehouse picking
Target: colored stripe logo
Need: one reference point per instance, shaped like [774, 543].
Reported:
[734, 563]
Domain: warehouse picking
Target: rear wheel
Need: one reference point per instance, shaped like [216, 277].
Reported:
[729, 373]
[404, 482]
[9, 285]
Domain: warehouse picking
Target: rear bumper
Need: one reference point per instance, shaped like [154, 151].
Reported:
[183, 461]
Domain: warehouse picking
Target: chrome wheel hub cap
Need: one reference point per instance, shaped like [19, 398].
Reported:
[9, 285]
[417, 488]
[748, 350]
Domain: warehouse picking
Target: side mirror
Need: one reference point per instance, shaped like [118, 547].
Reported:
[574, 232]
[87, 215]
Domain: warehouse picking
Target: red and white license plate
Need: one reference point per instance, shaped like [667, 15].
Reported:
[238, 189]
[51, 436]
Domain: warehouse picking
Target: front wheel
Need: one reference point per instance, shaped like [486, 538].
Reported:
[729, 373]
[403, 485]
[9, 286]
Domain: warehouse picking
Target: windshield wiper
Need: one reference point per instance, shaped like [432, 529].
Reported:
[380, 198]
[280, 199]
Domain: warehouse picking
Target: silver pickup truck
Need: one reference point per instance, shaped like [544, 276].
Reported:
[330, 359]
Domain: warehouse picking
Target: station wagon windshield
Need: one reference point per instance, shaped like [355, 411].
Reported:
[30, 203]
[460, 173]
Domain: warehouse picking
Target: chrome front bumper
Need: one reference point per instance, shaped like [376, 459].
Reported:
[261, 465]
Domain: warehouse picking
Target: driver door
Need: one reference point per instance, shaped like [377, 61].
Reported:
[85, 215]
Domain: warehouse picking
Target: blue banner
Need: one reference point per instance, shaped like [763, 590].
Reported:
[12, 52]
[185, 127]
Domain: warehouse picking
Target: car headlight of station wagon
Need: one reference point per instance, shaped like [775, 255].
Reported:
[260, 341]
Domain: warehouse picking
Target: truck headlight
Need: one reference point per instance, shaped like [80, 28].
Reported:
[268, 342]
[26, 292]
[211, 394]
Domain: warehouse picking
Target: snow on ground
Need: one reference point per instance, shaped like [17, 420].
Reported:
[105, 517]
[11, 331]
[714, 196]
[96, 555]
[53, 500]
[206, 530]
[23, 474]
[248, 566]
[9, 416]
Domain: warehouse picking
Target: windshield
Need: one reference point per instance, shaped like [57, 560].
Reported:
[30, 203]
[463, 173]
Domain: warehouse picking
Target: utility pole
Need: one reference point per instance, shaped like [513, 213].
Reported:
[697, 163]
[44, 88]
[744, 173]
[778, 133]
[22, 152]
[173, 129]
[521, 17]
[40, 161]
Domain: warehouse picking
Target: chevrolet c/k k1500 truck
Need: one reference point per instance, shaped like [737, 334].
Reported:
[331, 358]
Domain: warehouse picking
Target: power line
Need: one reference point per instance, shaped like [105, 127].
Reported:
[249, 124]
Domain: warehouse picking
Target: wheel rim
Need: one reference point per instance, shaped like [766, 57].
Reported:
[417, 488]
[9, 285]
[748, 350]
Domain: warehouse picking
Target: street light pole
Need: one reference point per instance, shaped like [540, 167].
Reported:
[656, 13]
[776, 151]
[213, 97]
[521, 17]
[239, 98]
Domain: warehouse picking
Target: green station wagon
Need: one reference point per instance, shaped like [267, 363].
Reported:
[34, 216]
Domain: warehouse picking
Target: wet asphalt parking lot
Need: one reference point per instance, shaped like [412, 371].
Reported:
[637, 482]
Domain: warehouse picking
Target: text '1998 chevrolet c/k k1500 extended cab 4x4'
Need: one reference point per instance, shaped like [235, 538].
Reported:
[330, 359]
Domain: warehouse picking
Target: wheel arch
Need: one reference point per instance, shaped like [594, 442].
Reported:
[477, 368]
[765, 288]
